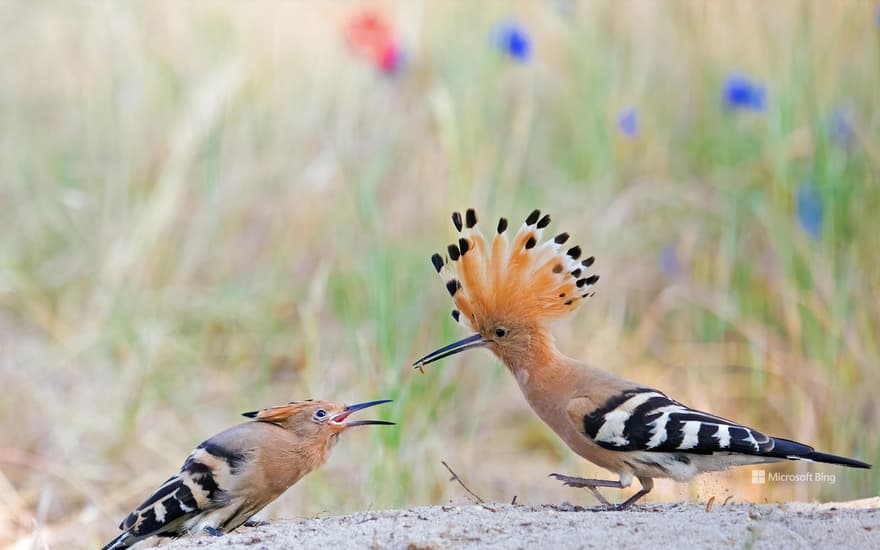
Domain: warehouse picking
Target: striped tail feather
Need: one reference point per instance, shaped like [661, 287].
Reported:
[792, 450]
[816, 456]
[124, 540]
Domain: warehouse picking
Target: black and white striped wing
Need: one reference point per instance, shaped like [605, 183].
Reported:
[199, 486]
[164, 512]
[647, 420]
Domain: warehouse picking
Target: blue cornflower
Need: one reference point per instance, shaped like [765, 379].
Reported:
[668, 259]
[511, 37]
[809, 210]
[628, 122]
[742, 93]
[840, 127]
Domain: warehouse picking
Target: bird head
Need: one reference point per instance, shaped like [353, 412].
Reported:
[506, 290]
[316, 419]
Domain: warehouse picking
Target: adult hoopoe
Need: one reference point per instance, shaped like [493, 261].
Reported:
[506, 291]
[233, 475]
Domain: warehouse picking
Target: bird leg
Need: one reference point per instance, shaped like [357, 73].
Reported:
[629, 502]
[592, 484]
[254, 522]
[213, 531]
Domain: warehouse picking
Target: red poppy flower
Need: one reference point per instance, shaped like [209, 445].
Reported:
[372, 35]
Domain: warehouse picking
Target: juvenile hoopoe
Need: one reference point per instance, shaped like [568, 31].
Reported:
[507, 291]
[234, 474]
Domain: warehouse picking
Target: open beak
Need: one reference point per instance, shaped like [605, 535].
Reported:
[338, 419]
[473, 341]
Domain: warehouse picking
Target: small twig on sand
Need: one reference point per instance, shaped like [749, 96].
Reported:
[709, 504]
[460, 482]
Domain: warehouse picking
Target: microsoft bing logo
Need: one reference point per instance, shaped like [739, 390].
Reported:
[759, 476]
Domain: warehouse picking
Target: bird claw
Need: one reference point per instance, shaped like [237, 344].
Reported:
[567, 480]
[256, 523]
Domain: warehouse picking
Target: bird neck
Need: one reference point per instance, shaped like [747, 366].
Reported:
[537, 363]
[545, 377]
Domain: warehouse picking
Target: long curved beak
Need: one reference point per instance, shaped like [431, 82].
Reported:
[472, 341]
[339, 418]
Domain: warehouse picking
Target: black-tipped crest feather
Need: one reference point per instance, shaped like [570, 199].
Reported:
[533, 217]
[452, 286]
[470, 218]
[454, 254]
[456, 221]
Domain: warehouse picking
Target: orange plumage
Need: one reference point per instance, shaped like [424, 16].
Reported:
[525, 278]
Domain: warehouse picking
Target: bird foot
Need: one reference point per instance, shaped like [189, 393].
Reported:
[631, 500]
[589, 484]
[592, 484]
[213, 531]
[256, 523]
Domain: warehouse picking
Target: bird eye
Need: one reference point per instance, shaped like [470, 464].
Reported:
[500, 332]
[321, 413]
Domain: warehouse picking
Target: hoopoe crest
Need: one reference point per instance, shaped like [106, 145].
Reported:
[519, 278]
[503, 288]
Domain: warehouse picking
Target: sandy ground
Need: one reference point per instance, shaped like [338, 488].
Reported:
[851, 525]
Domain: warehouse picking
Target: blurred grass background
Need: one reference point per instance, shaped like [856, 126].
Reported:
[213, 207]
